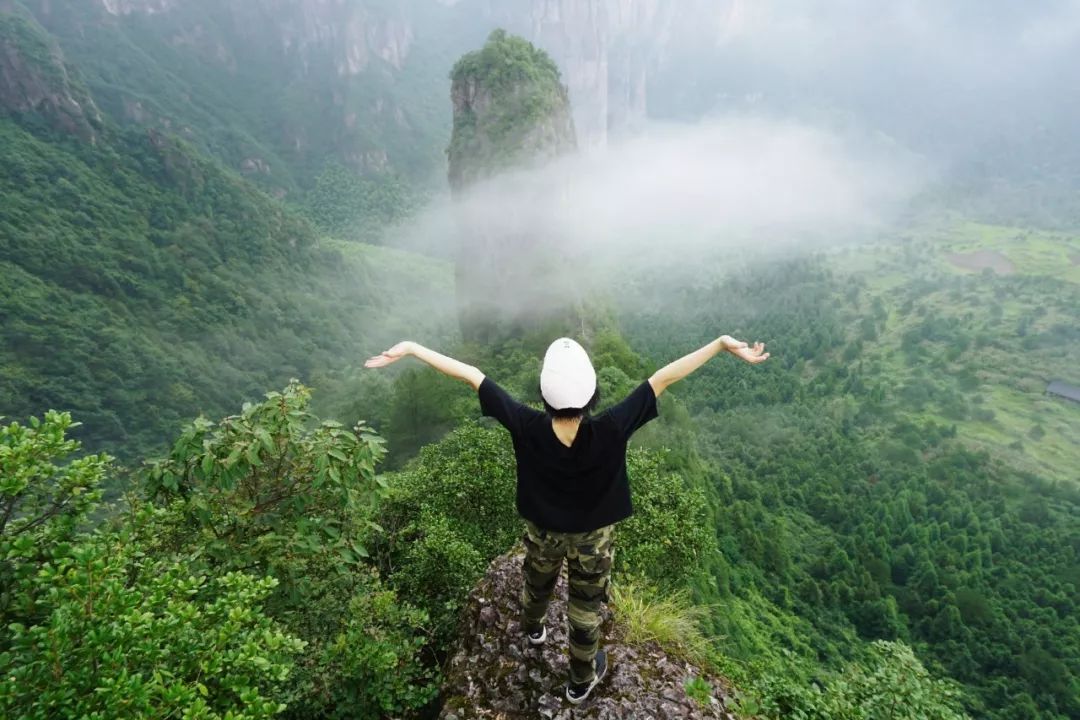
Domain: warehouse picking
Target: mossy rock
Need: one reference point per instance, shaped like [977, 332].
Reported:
[510, 109]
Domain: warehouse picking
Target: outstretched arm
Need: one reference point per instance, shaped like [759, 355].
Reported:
[676, 371]
[446, 365]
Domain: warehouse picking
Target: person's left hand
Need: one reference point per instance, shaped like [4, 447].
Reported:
[389, 356]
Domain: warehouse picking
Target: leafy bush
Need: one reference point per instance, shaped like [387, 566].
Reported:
[699, 689]
[41, 502]
[446, 516]
[368, 669]
[127, 636]
[261, 487]
[92, 626]
[667, 537]
[277, 490]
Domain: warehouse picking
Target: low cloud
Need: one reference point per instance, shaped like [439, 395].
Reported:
[677, 189]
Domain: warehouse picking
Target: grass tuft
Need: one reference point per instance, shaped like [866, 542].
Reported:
[672, 621]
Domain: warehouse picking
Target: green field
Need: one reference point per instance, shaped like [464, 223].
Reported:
[1010, 336]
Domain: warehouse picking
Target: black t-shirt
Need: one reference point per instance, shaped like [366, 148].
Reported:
[578, 488]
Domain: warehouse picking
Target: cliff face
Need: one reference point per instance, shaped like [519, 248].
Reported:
[596, 43]
[280, 85]
[495, 673]
[353, 34]
[609, 50]
[35, 79]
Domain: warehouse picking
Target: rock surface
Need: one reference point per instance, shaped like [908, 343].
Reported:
[34, 77]
[496, 673]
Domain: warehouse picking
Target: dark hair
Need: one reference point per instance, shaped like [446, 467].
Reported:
[572, 412]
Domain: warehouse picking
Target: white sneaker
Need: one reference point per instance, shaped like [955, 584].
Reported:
[538, 638]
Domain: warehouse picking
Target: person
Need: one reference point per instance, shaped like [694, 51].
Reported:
[572, 486]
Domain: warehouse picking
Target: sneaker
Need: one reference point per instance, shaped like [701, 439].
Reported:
[577, 693]
[537, 637]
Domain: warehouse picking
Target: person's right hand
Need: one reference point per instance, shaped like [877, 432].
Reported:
[389, 356]
[741, 350]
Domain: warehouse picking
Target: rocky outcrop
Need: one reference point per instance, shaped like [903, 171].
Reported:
[254, 165]
[34, 78]
[511, 112]
[495, 673]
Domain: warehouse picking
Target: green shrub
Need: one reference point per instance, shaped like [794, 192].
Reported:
[368, 669]
[128, 636]
[889, 683]
[43, 499]
[271, 487]
[448, 514]
[667, 537]
[93, 626]
[276, 490]
[699, 689]
[438, 570]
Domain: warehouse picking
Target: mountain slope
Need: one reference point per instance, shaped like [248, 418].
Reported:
[274, 89]
[143, 283]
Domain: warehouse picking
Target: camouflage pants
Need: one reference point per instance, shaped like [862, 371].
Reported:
[588, 558]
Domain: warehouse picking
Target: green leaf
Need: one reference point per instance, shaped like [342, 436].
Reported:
[265, 439]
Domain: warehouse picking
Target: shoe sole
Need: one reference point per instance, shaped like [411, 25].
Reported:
[593, 684]
[540, 640]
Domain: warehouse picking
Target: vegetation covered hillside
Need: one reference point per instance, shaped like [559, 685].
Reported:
[144, 283]
[899, 472]
[272, 89]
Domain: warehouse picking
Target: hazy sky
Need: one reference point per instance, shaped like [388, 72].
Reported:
[939, 74]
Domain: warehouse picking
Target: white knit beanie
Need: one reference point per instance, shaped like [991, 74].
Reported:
[567, 379]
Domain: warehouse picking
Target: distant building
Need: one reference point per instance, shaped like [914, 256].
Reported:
[1062, 390]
